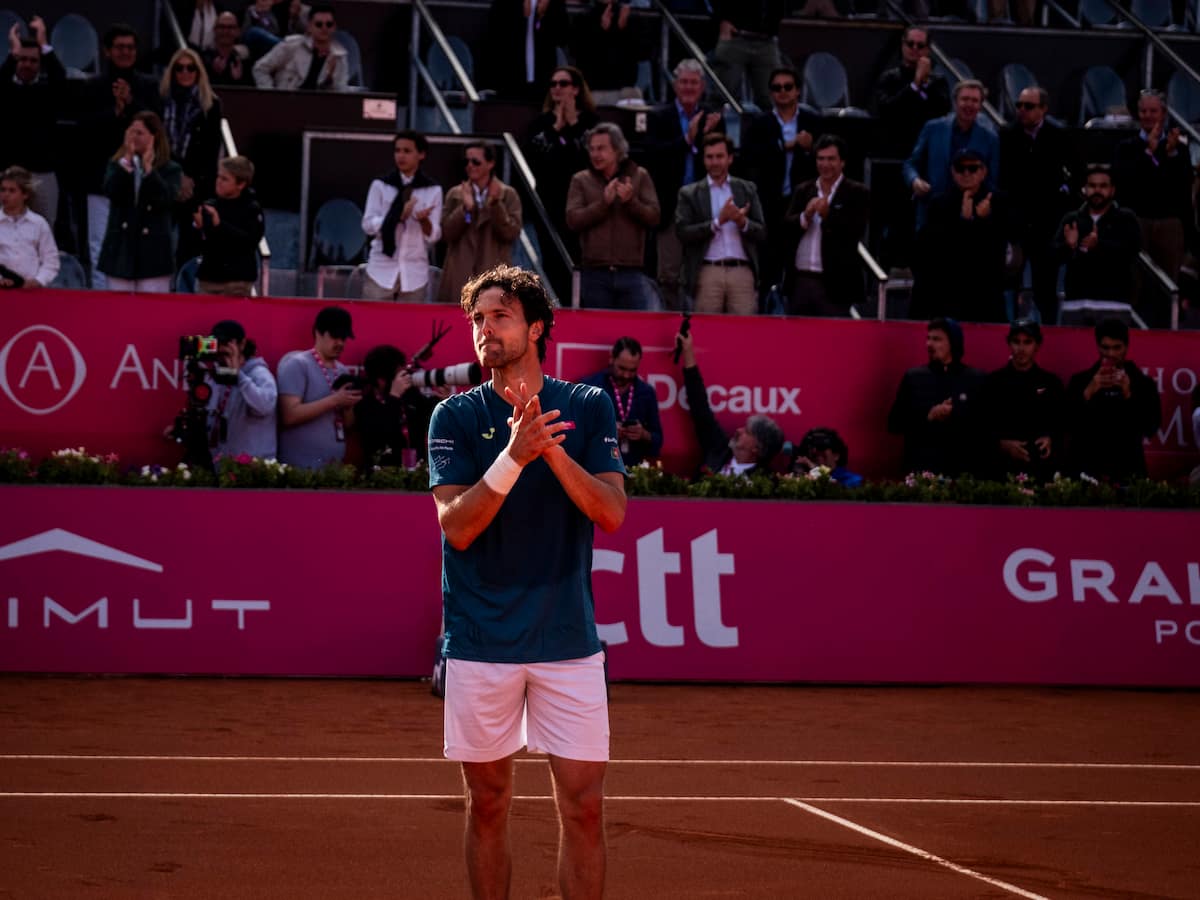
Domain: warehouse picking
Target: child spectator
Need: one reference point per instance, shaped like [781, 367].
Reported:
[28, 254]
[230, 225]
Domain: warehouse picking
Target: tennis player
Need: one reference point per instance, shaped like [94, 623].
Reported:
[521, 467]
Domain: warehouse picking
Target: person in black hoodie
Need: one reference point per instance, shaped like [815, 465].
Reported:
[935, 407]
[1112, 406]
[230, 226]
[1023, 407]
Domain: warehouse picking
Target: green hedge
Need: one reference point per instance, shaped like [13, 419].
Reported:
[77, 466]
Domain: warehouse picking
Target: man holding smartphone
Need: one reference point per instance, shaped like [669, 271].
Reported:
[1111, 407]
[638, 427]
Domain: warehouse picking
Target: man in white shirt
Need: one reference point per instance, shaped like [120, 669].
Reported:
[827, 218]
[720, 223]
[404, 221]
[28, 254]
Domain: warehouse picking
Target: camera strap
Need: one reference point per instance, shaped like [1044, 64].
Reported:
[339, 422]
[220, 425]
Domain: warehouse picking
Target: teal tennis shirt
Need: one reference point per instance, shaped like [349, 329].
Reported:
[522, 592]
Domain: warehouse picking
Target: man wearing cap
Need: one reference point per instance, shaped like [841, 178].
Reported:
[241, 417]
[1023, 410]
[314, 415]
[752, 446]
[935, 407]
[961, 250]
[927, 171]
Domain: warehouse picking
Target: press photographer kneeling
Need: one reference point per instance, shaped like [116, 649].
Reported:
[239, 416]
[393, 415]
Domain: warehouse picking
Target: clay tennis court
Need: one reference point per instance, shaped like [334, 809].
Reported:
[246, 788]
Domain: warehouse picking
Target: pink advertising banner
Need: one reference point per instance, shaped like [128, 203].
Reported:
[323, 583]
[101, 369]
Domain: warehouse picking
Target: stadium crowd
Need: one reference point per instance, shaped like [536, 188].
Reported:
[684, 218]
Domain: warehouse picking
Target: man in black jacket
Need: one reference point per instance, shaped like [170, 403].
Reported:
[1023, 410]
[232, 226]
[1112, 406]
[1035, 175]
[1099, 242]
[936, 407]
[752, 446]
[777, 155]
[31, 86]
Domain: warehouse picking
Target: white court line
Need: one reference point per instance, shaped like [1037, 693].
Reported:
[849, 763]
[915, 851]
[623, 798]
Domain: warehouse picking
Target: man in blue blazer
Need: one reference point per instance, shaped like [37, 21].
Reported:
[927, 171]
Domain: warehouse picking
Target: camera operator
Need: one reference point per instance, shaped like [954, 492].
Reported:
[241, 417]
[752, 446]
[231, 225]
[393, 415]
[315, 408]
[638, 427]
[825, 447]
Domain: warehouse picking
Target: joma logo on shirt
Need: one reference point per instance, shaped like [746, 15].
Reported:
[489, 434]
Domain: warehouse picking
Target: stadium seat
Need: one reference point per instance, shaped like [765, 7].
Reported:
[1014, 78]
[71, 275]
[1152, 13]
[1183, 96]
[8, 19]
[952, 80]
[185, 278]
[353, 58]
[1103, 93]
[77, 45]
[1096, 13]
[443, 73]
[337, 237]
[826, 86]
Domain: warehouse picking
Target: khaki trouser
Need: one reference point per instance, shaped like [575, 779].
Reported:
[721, 289]
[373, 290]
[226, 288]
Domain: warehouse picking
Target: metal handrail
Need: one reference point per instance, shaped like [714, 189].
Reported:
[1048, 5]
[173, 22]
[880, 276]
[526, 175]
[1165, 282]
[943, 59]
[670, 22]
[421, 14]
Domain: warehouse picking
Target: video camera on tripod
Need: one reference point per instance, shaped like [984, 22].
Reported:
[202, 367]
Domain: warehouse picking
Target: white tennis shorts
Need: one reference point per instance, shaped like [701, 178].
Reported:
[492, 710]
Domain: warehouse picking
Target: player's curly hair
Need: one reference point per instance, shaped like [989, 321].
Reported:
[518, 284]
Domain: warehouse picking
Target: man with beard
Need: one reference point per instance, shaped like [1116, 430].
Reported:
[1099, 243]
[935, 407]
[638, 427]
[315, 410]
[522, 469]
[1023, 409]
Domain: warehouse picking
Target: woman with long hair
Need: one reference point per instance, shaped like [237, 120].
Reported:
[192, 121]
[141, 183]
[557, 147]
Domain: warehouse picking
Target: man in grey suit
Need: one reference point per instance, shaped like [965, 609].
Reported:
[720, 223]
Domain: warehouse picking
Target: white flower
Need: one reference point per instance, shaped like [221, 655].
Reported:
[816, 473]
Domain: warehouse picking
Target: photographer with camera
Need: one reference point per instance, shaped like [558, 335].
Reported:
[241, 416]
[393, 415]
[638, 427]
[231, 225]
[317, 395]
[752, 446]
[825, 447]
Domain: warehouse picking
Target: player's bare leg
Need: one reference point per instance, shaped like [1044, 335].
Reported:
[582, 854]
[489, 797]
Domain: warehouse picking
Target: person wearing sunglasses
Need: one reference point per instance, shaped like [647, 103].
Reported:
[927, 170]
[227, 60]
[910, 94]
[192, 119]
[962, 249]
[480, 221]
[1037, 165]
[310, 62]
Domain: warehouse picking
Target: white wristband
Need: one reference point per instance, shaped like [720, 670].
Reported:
[502, 474]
